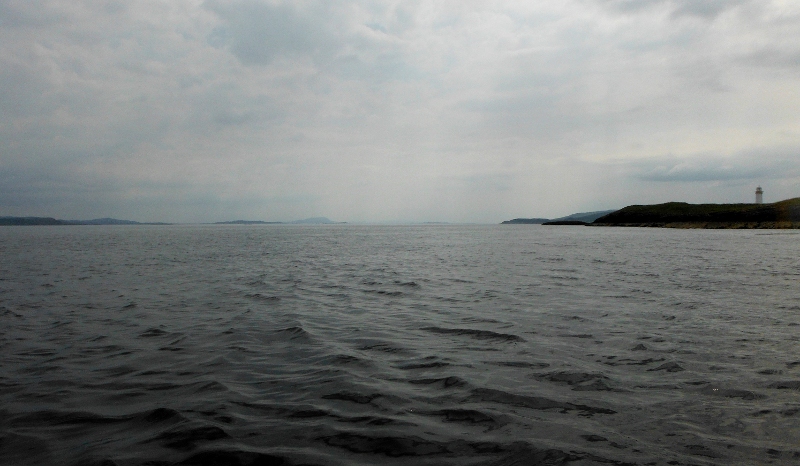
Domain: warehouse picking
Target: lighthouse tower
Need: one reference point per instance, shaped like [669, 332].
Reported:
[759, 195]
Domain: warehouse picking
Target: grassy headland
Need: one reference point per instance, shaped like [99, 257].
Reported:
[783, 214]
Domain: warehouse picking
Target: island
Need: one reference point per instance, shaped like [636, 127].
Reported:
[783, 214]
[30, 221]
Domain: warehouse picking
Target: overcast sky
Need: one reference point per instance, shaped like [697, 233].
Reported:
[383, 111]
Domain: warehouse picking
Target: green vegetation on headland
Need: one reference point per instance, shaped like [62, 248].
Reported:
[783, 214]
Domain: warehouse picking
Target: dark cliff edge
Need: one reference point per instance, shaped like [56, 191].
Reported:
[526, 221]
[565, 222]
[783, 214]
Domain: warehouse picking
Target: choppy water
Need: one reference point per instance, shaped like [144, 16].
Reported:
[356, 345]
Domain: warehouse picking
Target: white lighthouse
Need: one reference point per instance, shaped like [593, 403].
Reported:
[759, 195]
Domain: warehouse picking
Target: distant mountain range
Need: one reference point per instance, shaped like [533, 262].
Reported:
[114, 221]
[55, 221]
[586, 217]
[101, 221]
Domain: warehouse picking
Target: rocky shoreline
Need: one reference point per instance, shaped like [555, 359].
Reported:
[708, 225]
[778, 215]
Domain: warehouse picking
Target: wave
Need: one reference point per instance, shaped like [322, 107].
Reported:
[476, 334]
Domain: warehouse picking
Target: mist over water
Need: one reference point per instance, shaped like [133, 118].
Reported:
[360, 345]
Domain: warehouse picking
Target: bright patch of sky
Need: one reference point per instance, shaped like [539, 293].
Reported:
[459, 111]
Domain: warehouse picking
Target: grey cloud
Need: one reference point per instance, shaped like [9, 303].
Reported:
[387, 66]
[705, 8]
[75, 191]
[53, 189]
[378, 109]
[538, 115]
[632, 5]
[708, 9]
[23, 93]
[229, 105]
[257, 32]
[22, 13]
[488, 182]
[772, 57]
[750, 165]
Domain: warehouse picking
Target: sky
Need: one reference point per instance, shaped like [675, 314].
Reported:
[393, 111]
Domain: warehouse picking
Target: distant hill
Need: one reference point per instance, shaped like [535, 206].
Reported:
[53, 221]
[101, 221]
[783, 214]
[524, 221]
[586, 217]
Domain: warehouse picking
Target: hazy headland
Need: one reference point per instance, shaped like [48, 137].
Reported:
[580, 217]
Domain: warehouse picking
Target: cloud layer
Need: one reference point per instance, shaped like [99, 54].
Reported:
[471, 111]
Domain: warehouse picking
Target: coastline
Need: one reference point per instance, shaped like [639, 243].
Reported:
[707, 225]
[779, 215]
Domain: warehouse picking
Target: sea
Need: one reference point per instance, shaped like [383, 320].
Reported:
[492, 345]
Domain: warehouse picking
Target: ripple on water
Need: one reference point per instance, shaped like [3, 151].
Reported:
[476, 334]
[360, 345]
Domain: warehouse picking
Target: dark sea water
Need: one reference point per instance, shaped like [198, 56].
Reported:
[430, 345]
